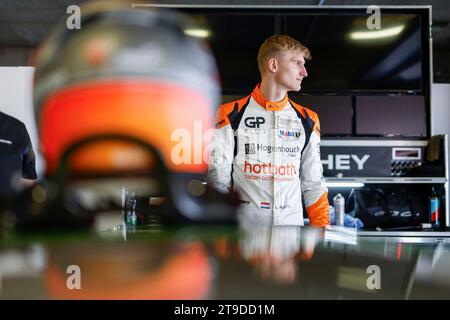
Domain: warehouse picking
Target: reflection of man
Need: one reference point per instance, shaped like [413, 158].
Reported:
[17, 160]
[273, 251]
[267, 147]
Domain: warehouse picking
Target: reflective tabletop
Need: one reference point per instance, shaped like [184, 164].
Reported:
[223, 262]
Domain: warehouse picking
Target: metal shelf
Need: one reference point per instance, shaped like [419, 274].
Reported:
[353, 142]
[407, 236]
[387, 180]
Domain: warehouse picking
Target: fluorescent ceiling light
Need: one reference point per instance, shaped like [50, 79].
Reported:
[376, 34]
[344, 184]
[198, 33]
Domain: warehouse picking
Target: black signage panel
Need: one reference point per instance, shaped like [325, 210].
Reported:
[356, 161]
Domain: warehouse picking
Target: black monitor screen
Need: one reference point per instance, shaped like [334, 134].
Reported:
[391, 116]
[235, 40]
[349, 56]
[335, 112]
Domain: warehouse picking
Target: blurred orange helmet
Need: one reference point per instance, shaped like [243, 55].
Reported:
[128, 72]
[131, 93]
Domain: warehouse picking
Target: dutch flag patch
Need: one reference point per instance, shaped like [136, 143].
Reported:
[265, 205]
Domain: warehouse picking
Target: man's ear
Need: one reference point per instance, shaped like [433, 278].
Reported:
[272, 64]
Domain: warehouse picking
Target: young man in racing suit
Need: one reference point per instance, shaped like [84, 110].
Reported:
[267, 148]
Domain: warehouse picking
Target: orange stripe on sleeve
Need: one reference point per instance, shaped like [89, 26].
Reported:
[319, 212]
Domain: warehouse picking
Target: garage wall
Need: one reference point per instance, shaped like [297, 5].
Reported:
[440, 110]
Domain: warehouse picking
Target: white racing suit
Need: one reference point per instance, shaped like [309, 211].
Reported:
[269, 153]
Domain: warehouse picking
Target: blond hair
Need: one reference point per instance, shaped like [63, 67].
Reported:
[279, 43]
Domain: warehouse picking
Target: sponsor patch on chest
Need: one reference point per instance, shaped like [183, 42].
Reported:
[289, 128]
[289, 134]
[289, 123]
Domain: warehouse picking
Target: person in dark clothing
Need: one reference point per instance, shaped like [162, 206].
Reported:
[17, 158]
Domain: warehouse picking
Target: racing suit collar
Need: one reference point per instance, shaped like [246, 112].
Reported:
[266, 104]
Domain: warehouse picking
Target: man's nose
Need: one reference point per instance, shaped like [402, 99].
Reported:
[303, 72]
